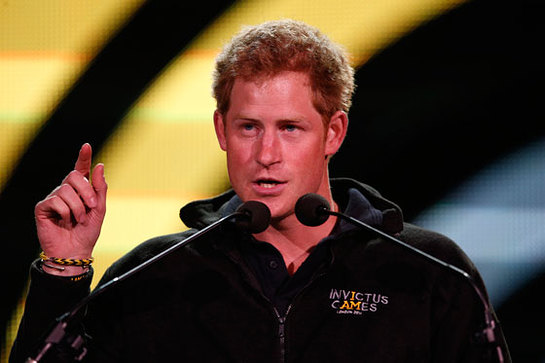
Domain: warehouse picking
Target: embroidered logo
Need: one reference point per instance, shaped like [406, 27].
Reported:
[356, 302]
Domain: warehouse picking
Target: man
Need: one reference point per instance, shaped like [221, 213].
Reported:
[291, 293]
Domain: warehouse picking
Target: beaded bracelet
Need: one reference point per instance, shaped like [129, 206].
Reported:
[83, 263]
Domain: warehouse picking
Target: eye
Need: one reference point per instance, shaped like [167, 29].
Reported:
[291, 127]
[248, 128]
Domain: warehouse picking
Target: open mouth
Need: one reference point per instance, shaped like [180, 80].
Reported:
[268, 183]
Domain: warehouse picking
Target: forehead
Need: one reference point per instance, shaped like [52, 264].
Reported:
[286, 90]
[284, 80]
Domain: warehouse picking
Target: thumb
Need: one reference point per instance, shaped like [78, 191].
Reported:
[99, 183]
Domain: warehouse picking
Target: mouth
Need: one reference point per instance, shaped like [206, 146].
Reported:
[268, 183]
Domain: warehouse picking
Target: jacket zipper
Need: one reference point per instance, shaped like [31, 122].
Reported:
[281, 319]
[282, 332]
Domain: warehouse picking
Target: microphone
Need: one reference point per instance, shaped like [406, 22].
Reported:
[255, 217]
[251, 216]
[313, 210]
[310, 209]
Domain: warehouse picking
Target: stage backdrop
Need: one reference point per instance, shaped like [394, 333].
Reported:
[446, 121]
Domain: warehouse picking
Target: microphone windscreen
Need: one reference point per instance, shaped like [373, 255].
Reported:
[310, 209]
[256, 216]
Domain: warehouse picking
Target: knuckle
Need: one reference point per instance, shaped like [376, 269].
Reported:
[73, 174]
[64, 188]
[39, 206]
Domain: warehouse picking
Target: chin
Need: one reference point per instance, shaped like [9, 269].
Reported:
[281, 214]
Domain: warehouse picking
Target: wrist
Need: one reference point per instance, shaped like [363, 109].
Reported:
[67, 254]
[65, 266]
[66, 271]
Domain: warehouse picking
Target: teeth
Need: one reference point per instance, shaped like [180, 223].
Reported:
[268, 184]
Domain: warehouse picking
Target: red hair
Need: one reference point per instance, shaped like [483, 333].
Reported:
[286, 45]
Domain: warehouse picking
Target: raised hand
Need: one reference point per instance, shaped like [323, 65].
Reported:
[69, 219]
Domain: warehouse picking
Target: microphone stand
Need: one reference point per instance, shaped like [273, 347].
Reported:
[58, 333]
[489, 332]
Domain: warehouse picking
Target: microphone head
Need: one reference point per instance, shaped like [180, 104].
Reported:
[255, 217]
[311, 209]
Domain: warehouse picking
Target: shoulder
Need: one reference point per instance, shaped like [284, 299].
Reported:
[437, 245]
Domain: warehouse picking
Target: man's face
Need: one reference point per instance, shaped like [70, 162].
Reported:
[276, 142]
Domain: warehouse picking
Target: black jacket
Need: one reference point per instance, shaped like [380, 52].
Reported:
[369, 300]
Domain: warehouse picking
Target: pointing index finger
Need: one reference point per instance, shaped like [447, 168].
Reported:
[83, 164]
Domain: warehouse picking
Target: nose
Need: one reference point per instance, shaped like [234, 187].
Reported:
[269, 149]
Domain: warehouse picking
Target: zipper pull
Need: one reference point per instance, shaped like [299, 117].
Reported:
[281, 321]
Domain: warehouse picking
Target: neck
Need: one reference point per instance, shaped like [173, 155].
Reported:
[294, 240]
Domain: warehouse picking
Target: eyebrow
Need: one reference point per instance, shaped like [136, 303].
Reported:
[281, 120]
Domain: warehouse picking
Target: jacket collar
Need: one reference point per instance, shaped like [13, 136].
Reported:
[354, 198]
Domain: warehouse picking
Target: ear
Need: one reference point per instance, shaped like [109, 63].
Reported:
[219, 126]
[335, 132]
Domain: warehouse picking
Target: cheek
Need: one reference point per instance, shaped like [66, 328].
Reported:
[238, 160]
[312, 154]
[310, 162]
